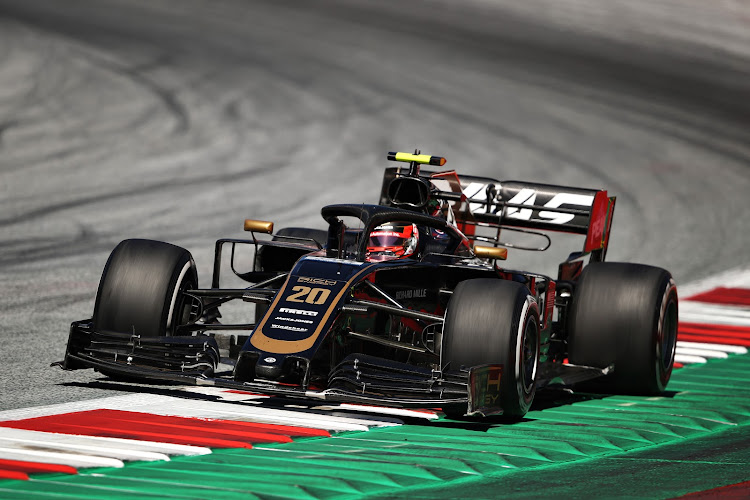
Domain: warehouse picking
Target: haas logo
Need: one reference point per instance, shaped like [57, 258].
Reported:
[527, 196]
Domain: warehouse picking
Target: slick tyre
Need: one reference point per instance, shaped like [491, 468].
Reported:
[141, 289]
[492, 321]
[625, 314]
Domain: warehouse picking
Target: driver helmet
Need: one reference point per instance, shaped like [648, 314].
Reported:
[394, 240]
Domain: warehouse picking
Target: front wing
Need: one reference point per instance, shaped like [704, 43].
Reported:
[359, 378]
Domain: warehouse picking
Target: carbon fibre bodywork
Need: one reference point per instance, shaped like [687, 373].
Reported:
[332, 325]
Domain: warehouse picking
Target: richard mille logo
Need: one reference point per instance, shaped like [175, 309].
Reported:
[411, 294]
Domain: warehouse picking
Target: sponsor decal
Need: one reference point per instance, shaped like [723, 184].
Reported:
[492, 392]
[269, 359]
[484, 389]
[477, 191]
[295, 320]
[528, 197]
[419, 293]
[322, 297]
[290, 328]
[314, 296]
[316, 281]
[300, 312]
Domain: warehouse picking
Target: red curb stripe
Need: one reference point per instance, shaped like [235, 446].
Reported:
[726, 296]
[11, 474]
[738, 491]
[710, 339]
[168, 429]
[88, 429]
[236, 391]
[722, 330]
[714, 334]
[272, 430]
[31, 467]
[176, 428]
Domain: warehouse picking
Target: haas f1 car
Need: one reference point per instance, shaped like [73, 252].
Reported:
[403, 303]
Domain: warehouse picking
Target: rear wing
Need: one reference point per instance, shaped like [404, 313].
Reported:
[485, 202]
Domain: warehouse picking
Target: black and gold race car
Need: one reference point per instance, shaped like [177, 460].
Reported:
[403, 303]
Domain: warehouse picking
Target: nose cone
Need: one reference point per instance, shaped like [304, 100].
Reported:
[269, 367]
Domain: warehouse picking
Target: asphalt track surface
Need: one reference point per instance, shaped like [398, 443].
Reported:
[175, 120]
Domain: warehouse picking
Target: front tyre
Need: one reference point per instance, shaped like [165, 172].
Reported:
[492, 321]
[625, 314]
[141, 289]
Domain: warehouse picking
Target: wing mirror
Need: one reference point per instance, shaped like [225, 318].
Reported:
[259, 226]
[495, 253]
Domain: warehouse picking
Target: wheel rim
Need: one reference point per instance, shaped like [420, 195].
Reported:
[668, 336]
[187, 309]
[184, 308]
[529, 355]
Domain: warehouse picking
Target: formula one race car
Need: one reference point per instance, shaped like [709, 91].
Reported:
[397, 304]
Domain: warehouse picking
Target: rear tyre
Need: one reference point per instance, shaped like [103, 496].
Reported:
[491, 321]
[625, 314]
[141, 289]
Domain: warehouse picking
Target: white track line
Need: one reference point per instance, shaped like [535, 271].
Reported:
[357, 408]
[688, 359]
[294, 416]
[47, 457]
[733, 278]
[734, 349]
[692, 311]
[703, 353]
[124, 445]
[8, 440]
[226, 395]
[400, 412]
[715, 314]
[173, 406]
[119, 402]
